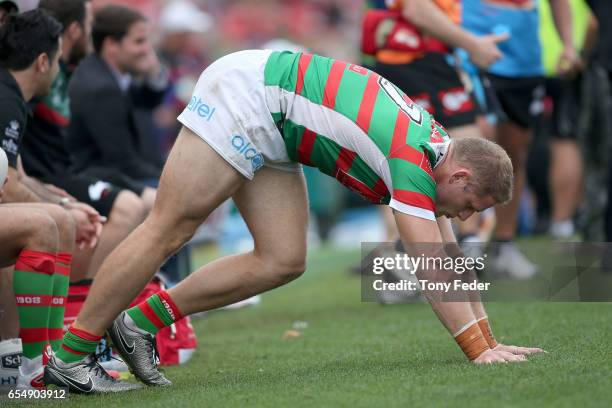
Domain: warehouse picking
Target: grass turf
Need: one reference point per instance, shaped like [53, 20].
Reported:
[364, 354]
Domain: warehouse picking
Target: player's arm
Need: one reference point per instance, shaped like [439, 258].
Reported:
[430, 19]
[569, 60]
[15, 191]
[423, 236]
[44, 194]
[478, 309]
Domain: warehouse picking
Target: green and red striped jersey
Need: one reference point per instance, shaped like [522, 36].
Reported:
[358, 127]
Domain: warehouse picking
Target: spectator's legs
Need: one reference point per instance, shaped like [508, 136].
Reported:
[565, 182]
[127, 213]
[515, 140]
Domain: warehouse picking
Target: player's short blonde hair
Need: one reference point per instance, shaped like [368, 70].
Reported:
[491, 167]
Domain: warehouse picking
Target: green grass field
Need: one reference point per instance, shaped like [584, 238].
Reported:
[365, 354]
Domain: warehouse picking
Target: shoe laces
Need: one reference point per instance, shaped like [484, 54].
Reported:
[152, 349]
[97, 369]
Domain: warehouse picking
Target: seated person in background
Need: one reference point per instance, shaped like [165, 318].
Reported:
[7, 7]
[44, 153]
[103, 134]
[35, 236]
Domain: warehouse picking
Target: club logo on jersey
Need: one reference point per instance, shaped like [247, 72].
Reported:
[248, 151]
[402, 101]
[12, 130]
[455, 101]
[198, 106]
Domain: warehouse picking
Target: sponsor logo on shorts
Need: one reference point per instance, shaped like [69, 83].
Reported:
[99, 190]
[198, 106]
[248, 151]
[456, 101]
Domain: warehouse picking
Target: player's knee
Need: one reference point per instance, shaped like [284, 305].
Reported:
[40, 232]
[168, 232]
[66, 225]
[128, 210]
[287, 267]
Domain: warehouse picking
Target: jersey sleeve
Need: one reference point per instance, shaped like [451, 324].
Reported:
[12, 127]
[414, 189]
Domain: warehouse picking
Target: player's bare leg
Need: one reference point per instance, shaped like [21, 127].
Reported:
[127, 213]
[194, 182]
[274, 206]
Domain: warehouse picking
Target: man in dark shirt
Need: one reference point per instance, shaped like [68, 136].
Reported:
[104, 133]
[29, 60]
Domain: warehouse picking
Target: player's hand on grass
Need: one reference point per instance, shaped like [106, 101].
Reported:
[518, 350]
[493, 356]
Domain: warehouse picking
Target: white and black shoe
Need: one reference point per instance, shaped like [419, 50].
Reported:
[84, 377]
[139, 351]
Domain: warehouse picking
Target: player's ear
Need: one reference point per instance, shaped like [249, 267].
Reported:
[42, 63]
[461, 176]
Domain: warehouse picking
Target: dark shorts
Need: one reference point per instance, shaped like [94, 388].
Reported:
[520, 99]
[435, 85]
[100, 194]
[564, 96]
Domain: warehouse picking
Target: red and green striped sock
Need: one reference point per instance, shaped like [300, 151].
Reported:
[155, 313]
[77, 344]
[61, 280]
[33, 286]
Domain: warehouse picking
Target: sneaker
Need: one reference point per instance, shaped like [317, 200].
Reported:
[84, 377]
[511, 262]
[10, 360]
[139, 351]
[563, 230]
[472, 246]
[31, 374]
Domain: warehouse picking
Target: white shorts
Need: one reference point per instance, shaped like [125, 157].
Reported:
[228, 111]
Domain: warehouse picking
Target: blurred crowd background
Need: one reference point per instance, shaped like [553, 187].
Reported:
[189, 34]
[562, 148]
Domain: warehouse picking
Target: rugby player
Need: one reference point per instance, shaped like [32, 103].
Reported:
[253, 118]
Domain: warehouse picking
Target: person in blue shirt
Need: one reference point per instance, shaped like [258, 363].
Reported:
[517, 80]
